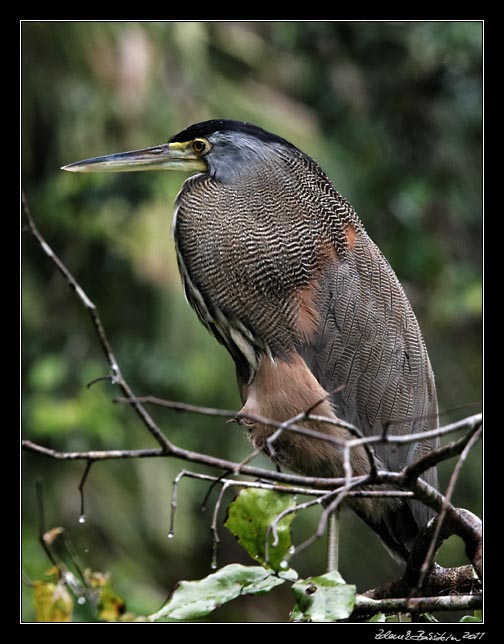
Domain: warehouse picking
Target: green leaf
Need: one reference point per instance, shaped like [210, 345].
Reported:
[193, 599]
[249, 517]
[471, 618]
[379, 617]
[323, 599]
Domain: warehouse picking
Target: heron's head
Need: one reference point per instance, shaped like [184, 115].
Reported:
[224, 149]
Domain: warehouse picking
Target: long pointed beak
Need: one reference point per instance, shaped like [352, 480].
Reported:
[169, 156]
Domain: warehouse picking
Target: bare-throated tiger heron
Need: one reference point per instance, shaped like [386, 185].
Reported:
[279, 268]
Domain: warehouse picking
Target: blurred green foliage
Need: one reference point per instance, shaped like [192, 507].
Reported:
[392, 111]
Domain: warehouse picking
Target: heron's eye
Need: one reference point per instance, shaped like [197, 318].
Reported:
[199, 146]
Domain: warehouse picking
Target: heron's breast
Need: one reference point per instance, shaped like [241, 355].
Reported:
[249, 271]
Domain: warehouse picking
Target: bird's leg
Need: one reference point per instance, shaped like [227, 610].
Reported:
[333, 527]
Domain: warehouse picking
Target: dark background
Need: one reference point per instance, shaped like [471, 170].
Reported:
[392, 111]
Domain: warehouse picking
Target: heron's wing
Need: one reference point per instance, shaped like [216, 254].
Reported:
[368, 341]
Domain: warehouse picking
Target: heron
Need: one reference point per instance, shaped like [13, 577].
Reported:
[279, 268]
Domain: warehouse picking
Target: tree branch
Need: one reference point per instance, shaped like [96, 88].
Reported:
[462, 522]
[468, 423]
[115, 372]
[474, 549]
[437, 580]
[440, 581]
[444, 452]
[365, 607]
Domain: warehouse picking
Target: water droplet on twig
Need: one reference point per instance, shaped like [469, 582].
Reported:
[81, 600]
[170, 535]
[82, 518]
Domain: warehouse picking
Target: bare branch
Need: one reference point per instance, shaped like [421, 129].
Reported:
[428, 495]
[187, 455]
[173, 503]
[365, 607]
[424, 492]
[83, 480]
[280, 428]
[464, 424]
[272, 528]
[261, 485]
[213, 527]
[227, 413]
[449, 450]
[115, 372]
[331, 507]
[439, 581]
[94, 455]
[429, 557]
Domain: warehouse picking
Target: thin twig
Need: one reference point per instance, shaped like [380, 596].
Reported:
[425, 462]
[331, 507]
[429, 557]
[459, 425]
[173, 502]
[81, 490]
[347, 464]
[92, 455]
[261, 485]
[187, 455]
[464, 423]
[271, 530]
[365, 441]
[213, 527]
[290, 489]
[297, 507]
[116, 375]
[228, 413]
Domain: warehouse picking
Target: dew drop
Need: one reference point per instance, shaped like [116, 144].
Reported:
[284, 564]
[292, 550]
[170, 535]
[82, 518]
[86, 549]
[213, 565]
[81, 600]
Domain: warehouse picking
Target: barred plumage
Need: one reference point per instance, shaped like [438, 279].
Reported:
[247, 247]
[278, 266]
